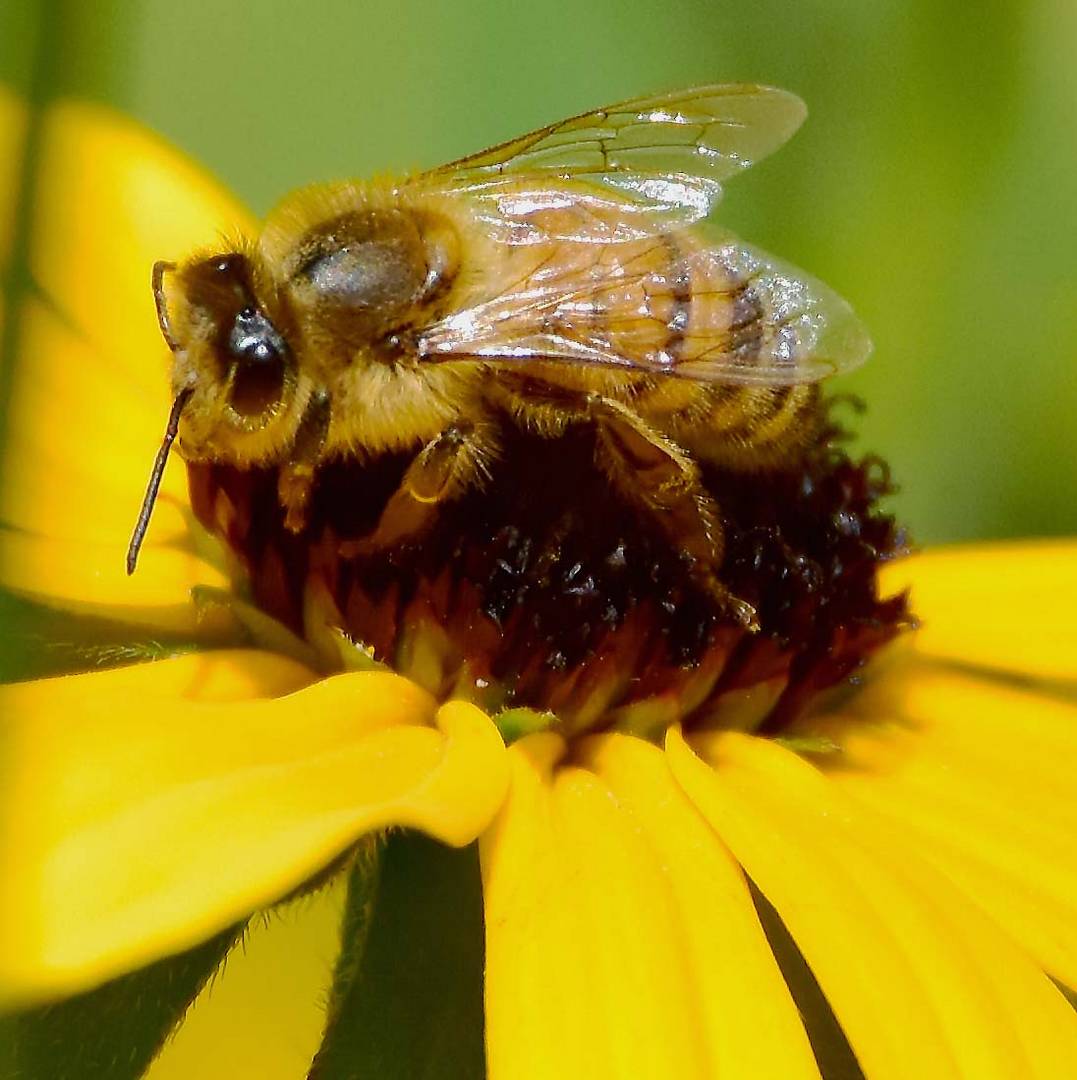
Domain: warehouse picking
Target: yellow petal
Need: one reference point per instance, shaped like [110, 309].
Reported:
[75, 466]
[744, 1015]
[90, 579]
[922, 981]
[538, 1011]
[1007, 606]
[139, 824]
[111, 199]
[64, 531]
[983, 776]
[263, 1016]
[90, 387]
[599, 951]
[13, 117]
[216, 675]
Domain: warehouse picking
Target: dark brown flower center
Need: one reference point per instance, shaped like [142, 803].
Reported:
[546, 591]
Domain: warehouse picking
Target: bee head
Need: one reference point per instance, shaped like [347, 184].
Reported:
[230, 352]
[234, 376]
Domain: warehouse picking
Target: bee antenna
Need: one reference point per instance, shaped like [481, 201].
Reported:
[155, 477]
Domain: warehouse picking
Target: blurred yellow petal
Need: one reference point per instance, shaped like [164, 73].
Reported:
[1006, 606]
[13, 117]
[139, 824]
[605, 935]
[744, 1013]
[80, 443]
[111, 199]
[263, 1017]
[71, 483]
[983, 777]
[922, 981]
[90, 389]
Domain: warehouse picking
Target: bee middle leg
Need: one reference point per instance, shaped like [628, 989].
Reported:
[651, 470]
[443, 470]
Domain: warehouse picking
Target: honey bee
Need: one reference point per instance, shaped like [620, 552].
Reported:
[562, 278]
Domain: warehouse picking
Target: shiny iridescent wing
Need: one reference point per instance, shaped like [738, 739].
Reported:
[593, 261]
[714, 311]
[660, 159]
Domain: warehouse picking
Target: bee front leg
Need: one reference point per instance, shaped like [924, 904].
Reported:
[295, 481]
[443, 470]
[657, 474]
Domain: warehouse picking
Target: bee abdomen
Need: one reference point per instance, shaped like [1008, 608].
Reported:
[753, 427]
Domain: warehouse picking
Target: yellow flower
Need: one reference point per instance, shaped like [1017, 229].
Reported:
[916, 841]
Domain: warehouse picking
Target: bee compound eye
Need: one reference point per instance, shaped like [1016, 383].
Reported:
[260, 356]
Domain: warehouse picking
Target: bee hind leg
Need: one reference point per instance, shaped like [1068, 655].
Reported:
[656, 474]
[443, 470]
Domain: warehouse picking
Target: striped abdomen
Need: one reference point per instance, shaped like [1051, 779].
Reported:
[673, 323]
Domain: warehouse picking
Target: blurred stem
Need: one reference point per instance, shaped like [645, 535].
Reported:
[407, 990]
[19, 24]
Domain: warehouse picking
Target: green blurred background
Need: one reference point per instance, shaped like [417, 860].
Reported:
[933, 184]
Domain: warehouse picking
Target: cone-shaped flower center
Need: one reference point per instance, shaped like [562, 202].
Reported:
[545, 591]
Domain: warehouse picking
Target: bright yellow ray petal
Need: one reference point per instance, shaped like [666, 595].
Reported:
[599, 952]
[111, 199]
[923, 982]
[991, 871]
[1007, 606]
[263, 1016]
[538, 1006]
[1020, 743]
[742, 1007]
[983, 775]
[137, 826]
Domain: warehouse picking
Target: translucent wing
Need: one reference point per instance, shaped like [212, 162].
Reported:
[706, 308]
[667, 155]
[711, 131]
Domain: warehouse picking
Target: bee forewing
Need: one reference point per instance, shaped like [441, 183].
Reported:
[708, 130]
[697, 305]
[669, 153]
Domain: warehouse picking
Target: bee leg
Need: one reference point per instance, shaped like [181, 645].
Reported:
[653, 471]
[295, 481]
[446, 467]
